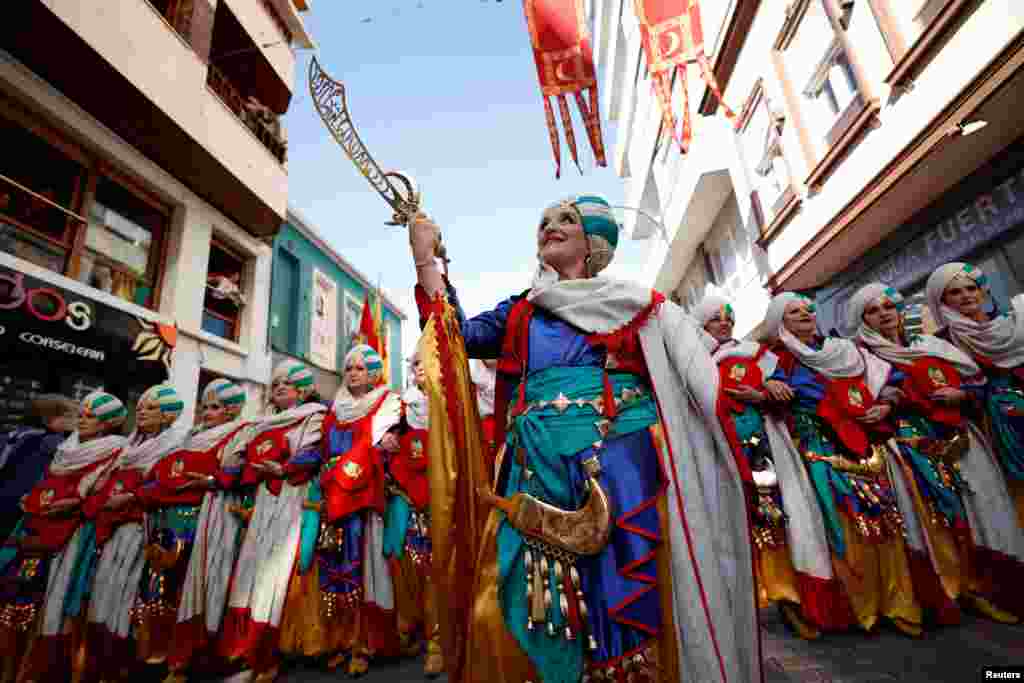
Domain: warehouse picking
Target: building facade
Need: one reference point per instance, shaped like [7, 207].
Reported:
[144, 175]
[874, 140]
[317, 304]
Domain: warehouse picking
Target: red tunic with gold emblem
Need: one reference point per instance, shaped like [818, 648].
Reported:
[353, 477]
[409, 467]
[270, 446]
[121, 482]
[53, 532]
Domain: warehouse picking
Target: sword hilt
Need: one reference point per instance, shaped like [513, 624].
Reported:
[406, 208]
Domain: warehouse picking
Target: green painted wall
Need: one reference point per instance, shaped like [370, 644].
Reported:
[295, 257]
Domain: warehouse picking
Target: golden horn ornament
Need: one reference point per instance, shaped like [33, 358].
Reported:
[580, 532]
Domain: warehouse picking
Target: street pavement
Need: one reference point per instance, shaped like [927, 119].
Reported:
[954, 654]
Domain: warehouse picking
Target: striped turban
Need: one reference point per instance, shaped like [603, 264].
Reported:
[600, 227]
[295, 373]
[225, 392]
[107, 408]
[165, 396]
[371, 359]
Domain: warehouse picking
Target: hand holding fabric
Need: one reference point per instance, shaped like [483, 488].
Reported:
[746, 394]
[876, 413]
[779, 391]
[389, 442]
[950, 396]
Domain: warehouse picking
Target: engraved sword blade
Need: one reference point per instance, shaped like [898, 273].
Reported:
[329, 99]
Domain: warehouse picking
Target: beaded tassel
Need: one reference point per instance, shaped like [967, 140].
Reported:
[528, 562]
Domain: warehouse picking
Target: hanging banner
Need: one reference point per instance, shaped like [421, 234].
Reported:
[565, 66]
[323, 328]
[672, 38]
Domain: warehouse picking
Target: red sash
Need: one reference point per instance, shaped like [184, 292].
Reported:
[845, 400]
[169, 474]
[738, 372]
[924, 377]
[53, 533]
[270, 446]
[121, 482]
[353, 480]
[409, 467]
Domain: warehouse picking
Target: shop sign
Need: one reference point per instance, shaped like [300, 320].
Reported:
[323, 328]
[976, 223]
[40, 320]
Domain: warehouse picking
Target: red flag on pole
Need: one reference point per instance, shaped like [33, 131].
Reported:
[367, 329]
[565, 66]
[671, 34]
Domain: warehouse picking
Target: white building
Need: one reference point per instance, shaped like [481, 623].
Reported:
[143, 154]
[847, 163]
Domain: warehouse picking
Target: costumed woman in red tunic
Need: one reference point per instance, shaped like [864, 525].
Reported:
[50, 576]
[355, 580]
[845, 528]
[210, 467]
[957, 295]
[618, 546]
[407, 529]
[119, 514]
[743, 367]
[962, 533]
[263, 592]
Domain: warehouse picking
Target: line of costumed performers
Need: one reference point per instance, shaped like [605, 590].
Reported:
[226, 548]
[883, 472]
[570, 492]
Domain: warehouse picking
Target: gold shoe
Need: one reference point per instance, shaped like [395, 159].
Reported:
[908, 628]
[174, 677]
[987, 609]
[434, 666]
[358, 666]
[792, 617]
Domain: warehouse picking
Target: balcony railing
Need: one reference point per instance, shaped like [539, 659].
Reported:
[263, 123]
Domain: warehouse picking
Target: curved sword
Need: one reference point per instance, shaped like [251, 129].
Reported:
[329, 99]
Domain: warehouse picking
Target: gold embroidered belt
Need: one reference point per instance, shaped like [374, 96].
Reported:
[562, 403]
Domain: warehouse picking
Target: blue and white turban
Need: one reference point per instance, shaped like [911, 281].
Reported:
[105, 407]
[165, 396]
[371, 359]
[225, 392]
[296, 374]
[599, 225]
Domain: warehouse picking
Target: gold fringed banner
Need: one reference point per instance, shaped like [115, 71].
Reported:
[672, 37]
[565, 66]
[457, 470]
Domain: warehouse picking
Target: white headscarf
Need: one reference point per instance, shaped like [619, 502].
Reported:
[710, 307]
[837, 358]
[919, 347]
[1000, 340]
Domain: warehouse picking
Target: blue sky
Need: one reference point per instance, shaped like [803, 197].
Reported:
[446, 90]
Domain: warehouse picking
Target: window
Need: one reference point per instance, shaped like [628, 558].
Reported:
[820, 71]
[123, 243]
[911, 24]
[39, 195]
[284, 318]
[224, 299]
[353, 315]
[761, 141]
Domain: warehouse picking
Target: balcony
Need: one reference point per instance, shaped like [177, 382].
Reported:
[264, 124]
[131, 68]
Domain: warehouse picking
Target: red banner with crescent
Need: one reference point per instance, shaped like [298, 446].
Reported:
[672, 38]
[565, 66]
